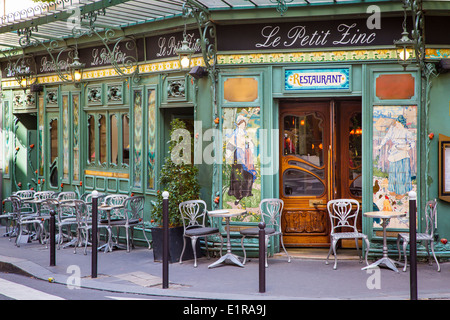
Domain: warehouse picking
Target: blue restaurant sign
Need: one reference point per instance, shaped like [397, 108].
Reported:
[317, 79]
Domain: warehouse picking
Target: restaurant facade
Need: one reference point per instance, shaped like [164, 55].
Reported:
[305, 101]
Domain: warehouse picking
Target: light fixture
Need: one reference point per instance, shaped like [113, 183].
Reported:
[184, 52]
[76, 68]
[405, 47]
[23, 72]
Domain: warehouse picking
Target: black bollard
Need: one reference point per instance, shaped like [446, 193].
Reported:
[94, 234]
[52, 230]
[412, 246]
[262, 257]
[165, 271]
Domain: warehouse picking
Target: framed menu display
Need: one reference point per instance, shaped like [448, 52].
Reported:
[444, 168]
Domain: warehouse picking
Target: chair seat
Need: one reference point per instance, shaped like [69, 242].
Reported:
[419, 236]
[201, 231]
[255, 231]
[348, 235]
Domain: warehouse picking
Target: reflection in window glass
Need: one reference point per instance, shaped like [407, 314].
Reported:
[102, 138]
[303, 137]
[301, 183]
[355, 153]
[114, 140]
[91, 124]
[53, 140]
[54, 153]
[125, 139]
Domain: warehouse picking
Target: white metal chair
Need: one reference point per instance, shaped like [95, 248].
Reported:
[130, 216]
[194, 214]
[428, 235]
[33, 218]
[271, 211]
[340, 213]
[84, 221]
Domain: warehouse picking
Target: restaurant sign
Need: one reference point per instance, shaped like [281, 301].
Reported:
[317, 79]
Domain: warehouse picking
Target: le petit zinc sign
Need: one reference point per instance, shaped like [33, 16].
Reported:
[317, 79]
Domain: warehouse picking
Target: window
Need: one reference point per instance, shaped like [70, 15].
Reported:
[91, 143]
[125, 139]
[114, 140]
[107, 139]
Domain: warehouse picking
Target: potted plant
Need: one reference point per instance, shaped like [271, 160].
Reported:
[180, 180]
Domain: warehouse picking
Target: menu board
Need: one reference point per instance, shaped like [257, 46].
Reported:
[444, 168]
[446, 159]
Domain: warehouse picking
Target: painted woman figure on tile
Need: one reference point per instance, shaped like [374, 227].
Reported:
[399, 158]
[239, 151]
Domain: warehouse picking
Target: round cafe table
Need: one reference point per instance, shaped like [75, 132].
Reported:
[385, 216]
[227, 214]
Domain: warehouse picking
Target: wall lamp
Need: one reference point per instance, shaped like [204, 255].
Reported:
[405, 47]
[76, 68]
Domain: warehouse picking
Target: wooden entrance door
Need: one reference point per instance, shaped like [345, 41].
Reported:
[320, 155]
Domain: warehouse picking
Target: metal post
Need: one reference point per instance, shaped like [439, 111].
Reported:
[262, 257]
[165, 271]
[94, 234]
[52, 238]
[412, 245]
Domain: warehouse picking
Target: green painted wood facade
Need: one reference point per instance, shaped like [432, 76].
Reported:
[165, 92]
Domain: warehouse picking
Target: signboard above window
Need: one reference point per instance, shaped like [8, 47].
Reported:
[331, 79]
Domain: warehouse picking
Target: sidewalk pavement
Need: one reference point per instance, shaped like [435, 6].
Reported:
[304, 278]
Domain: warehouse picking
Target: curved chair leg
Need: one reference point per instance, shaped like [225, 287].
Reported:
[405, 244]
[206, 247]
[398, 248]
[243, 249]
[329, 252]
[194, 242]
[335, 255]
[357, 250]
[127, 236]
[145, 236]
[367, 250]
[434, 255]
[285, 251]
[182, 251]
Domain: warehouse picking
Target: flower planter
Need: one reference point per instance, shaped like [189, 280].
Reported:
[175, 245]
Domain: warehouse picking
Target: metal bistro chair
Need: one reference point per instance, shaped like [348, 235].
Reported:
[428, 235]
[270, 210]
[340, 212]
[194, 213]
[11, 217]
[84, 220]
[108, 216]
[130, 216]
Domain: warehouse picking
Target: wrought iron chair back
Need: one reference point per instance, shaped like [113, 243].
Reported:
[270, 210]
[193, 213]
[25, 194]
[66, 195]
[341, 212]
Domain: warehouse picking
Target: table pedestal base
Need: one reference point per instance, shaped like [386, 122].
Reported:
[387, 262]
[229, 256]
